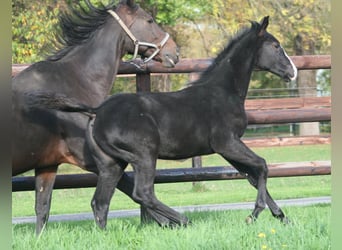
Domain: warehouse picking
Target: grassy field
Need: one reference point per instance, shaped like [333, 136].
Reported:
[213, 230]
[309, 229]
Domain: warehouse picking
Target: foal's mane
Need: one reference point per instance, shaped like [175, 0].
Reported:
[234, 41]
[77, 26]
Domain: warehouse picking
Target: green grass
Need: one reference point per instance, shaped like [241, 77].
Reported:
[309, 229]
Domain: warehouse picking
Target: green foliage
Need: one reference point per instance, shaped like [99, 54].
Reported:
[311, 19]
[324, 82]
[170, 12]
[31, 26]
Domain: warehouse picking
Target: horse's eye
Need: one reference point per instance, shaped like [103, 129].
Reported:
[150, 20]
[276, 45]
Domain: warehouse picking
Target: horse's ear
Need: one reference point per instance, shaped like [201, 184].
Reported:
[263, 25]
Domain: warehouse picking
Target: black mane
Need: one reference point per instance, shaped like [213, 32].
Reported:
[236, 39]
[77, 26]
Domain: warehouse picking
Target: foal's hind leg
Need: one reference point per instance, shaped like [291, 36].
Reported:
[44, 181]
[144, 194]
[110, 173]
[246, 161]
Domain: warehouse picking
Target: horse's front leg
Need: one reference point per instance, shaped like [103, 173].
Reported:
[246, 161]
[44, 182]
[275, 209]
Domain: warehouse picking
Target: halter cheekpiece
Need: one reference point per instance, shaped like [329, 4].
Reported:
[136, 42]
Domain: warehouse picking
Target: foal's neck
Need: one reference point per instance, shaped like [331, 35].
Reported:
[237, 67]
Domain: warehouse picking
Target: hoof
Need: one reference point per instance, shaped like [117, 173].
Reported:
[186, 223]
[100, 223]
[285, 221]
[250, 219]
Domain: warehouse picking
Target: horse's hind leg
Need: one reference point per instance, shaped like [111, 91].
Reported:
[110, 173]
[44, 181]
[144, 195]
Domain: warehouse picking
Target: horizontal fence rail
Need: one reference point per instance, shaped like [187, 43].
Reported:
[265, 111]
[288, 116]
[199, 65]
[183, 175]
[288, 103]
[287, 141]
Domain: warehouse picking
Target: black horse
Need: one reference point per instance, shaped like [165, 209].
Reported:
[92, 42]
[207, 117]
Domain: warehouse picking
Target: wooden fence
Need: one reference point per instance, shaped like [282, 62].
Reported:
[262, 111]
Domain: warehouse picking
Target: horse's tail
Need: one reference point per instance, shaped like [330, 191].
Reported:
[57, 101]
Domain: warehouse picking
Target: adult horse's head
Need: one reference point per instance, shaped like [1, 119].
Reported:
[148, 39]
[272, 56]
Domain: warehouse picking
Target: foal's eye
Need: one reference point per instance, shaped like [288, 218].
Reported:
[150, 20]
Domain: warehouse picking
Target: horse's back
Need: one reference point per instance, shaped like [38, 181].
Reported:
[164, 122]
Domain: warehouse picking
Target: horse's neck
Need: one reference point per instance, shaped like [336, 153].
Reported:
[99, 60]
[237, 70]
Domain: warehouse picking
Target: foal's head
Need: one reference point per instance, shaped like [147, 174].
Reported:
[146, 30]
[271, 55]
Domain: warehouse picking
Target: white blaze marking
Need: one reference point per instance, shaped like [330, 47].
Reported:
[293, 66]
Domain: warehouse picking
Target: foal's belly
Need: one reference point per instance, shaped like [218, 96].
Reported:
[171, 149]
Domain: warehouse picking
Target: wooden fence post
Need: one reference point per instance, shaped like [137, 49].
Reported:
[143, 82]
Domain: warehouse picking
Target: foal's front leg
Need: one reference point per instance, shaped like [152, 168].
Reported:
[275, 209]
[246, 161]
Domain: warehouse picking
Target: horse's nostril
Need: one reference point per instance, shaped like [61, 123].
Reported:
[176, 60]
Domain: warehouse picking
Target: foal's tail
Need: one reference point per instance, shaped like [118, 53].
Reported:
[57, 101]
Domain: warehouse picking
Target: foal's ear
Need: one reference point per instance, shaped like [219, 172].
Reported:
[263, 25]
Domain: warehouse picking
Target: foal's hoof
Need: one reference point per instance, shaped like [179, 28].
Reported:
[250, 219]
[100, 223]
[285, 220]
[186, 223]
[174, 225]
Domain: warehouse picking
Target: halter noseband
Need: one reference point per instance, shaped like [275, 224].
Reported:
[136, 42]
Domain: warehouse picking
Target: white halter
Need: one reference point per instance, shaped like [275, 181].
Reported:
[136, 42]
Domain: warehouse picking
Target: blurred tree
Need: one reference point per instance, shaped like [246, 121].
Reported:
[31, 26]
[288, 19]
